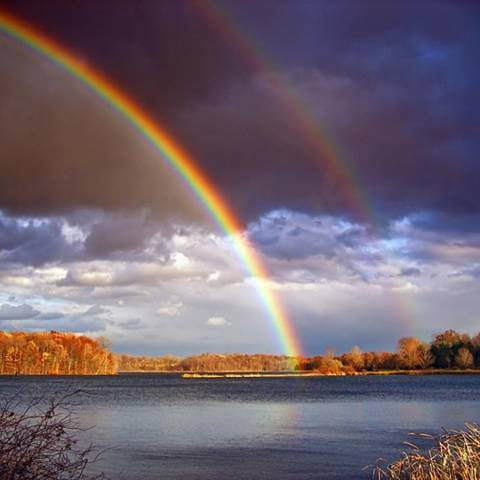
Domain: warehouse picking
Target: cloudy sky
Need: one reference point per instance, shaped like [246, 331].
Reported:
[346, 137]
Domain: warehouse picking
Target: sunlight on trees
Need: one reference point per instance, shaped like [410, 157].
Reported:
[464, 358]
[54, 353]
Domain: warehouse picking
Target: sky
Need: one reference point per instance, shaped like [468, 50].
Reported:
[344, 135]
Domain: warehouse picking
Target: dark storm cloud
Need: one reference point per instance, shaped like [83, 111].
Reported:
[118, 234]
[395, 86]
[460, 222]
[405, 154]
[393, 83]
[163, 52]
[62, 149]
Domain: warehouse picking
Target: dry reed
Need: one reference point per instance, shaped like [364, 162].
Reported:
[455, 456]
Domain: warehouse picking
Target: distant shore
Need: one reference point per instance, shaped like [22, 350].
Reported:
[65, 353]
[287, 374]
[262, 374]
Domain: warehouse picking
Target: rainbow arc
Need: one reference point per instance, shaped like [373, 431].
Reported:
[172, 153]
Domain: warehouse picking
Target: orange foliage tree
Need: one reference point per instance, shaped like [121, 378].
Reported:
[54, 353]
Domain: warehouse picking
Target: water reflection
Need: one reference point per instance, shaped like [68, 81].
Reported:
[164, 427]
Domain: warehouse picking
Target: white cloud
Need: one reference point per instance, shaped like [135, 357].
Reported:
[217, 322]
[170, 308]
[331, 275]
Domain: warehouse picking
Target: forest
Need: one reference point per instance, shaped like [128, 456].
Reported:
[55, 353]
[206, 362]
[448, 350]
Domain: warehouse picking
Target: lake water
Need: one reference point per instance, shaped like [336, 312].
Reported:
[165, 427]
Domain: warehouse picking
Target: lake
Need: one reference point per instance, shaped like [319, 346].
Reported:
[165, 427]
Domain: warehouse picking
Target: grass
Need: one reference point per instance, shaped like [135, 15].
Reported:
[455, 456]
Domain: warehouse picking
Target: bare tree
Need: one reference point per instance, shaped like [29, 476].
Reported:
[39, 442]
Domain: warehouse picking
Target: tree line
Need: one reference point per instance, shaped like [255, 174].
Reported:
[136, 363]
[54, 353]
[205, 362]
[448, 350]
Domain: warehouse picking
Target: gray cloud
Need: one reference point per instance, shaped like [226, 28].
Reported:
[17, 312]
[33, 241]
[68, 324]
[132, 324]
[118, 234]
[82, 236]
[410, 272]
[95, 310]
[51, 316]
[378, 237]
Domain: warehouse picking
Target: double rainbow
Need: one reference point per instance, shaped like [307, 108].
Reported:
[325, 151]
[173, 154]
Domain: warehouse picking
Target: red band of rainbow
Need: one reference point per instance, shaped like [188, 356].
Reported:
[173, 154]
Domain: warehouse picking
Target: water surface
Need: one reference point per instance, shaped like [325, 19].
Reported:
[166, 427]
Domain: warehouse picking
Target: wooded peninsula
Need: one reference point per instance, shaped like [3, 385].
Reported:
[56, 353]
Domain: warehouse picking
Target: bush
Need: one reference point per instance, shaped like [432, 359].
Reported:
[39, 442]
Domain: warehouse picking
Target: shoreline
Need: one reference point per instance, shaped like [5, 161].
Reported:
[261, 374]
[239, 374]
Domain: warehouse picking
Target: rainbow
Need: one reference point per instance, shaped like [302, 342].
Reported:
[327, 153]
[173, 154]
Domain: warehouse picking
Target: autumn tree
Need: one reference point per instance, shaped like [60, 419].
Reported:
[408, 351]
[464, 358]
[210, 362]
[354, 359]
[446, 345]
[328, 365]
[54, 353]
[425, 356]
[475, 345]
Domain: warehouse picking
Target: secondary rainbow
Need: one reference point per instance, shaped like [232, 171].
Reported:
[172, 153]
[328, 154]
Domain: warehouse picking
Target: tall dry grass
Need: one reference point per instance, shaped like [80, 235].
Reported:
[455, 456]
